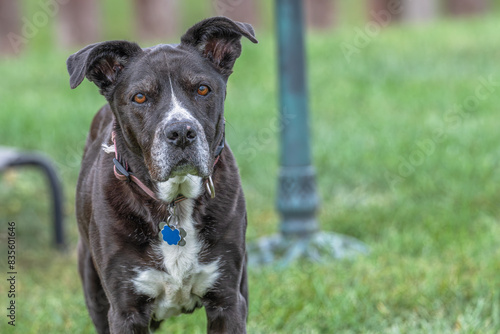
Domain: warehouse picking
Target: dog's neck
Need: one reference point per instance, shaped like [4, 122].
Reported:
[134, 158]
[185, 187]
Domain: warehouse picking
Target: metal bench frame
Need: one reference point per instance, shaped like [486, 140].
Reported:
[10, 158]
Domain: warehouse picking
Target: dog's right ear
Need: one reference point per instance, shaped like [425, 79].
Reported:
[101, 63]
[218, 40]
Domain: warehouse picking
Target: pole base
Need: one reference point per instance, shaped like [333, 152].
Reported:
[319, 247]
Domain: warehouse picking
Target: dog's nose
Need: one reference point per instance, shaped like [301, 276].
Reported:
[181, 135]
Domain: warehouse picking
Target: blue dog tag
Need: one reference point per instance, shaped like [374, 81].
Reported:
[173, 236]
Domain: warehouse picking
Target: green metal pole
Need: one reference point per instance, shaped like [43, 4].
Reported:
[297, 197]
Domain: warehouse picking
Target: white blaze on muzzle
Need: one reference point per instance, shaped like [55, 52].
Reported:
[164, 156]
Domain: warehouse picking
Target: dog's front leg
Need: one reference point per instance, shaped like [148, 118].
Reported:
[128, 321]
[224, 317]
[95, 297]
[227, 305]
[129, 312]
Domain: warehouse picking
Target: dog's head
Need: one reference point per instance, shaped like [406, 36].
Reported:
[168, 100]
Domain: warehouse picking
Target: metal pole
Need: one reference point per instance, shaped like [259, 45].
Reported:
[297, 198]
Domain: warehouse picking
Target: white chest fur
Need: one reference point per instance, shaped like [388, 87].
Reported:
[183, 280]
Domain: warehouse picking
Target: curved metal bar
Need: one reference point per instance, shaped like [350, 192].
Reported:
[13, 158]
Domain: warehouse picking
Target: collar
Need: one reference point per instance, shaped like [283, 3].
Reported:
[123, 173]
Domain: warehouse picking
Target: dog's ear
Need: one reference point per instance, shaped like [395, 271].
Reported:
[218, 40]
[101, 63]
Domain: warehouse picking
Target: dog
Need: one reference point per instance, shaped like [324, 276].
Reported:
[156, 240]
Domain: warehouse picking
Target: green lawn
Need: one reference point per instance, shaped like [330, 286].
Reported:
[405, 144]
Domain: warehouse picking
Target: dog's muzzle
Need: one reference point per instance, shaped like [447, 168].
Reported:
[180, 148]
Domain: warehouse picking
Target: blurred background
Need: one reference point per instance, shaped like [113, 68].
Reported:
[404, 101]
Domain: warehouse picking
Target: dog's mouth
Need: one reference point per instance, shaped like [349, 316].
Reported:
[182, 167]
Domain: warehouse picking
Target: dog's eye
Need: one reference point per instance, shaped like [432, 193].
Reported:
[139, 98]
[203, 90]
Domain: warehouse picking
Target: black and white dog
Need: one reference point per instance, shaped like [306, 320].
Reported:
[155, 241]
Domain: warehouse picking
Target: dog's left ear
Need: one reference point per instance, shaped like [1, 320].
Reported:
[218, 40]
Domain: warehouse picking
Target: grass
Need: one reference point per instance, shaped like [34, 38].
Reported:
[405, 145]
